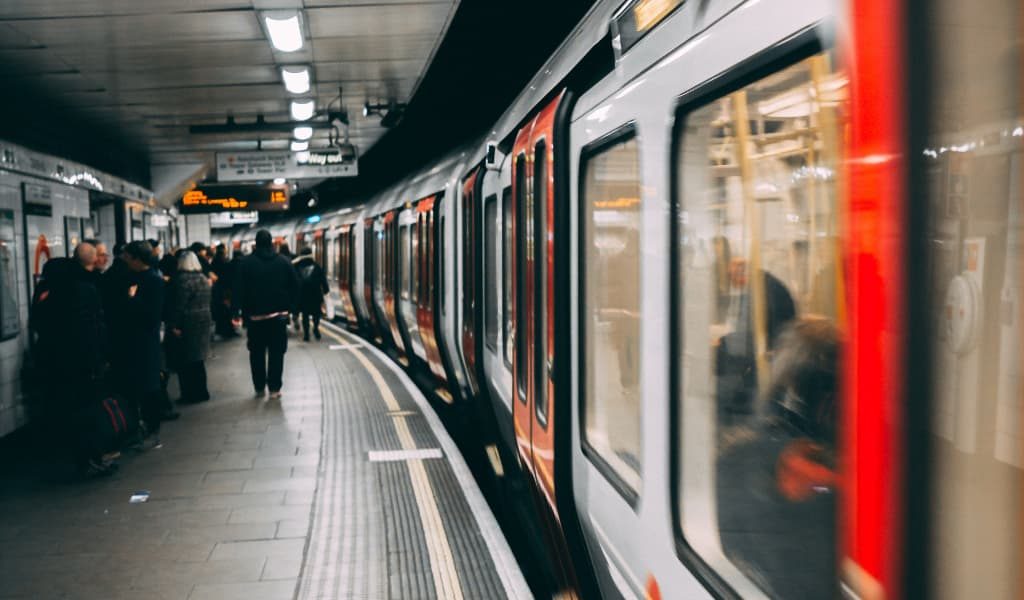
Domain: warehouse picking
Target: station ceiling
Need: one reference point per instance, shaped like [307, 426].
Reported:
[153, 68]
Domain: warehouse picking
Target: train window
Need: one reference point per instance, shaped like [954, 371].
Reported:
[524, 248]
[440, 258]
[405, 248]
[975, 241]
[10, 323]
[418, 251]
[610, 312]
[468, 254]
[757, 367]
[506, 271]
[491, 275]
[540, 263]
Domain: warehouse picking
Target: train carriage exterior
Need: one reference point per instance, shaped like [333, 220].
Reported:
[732, 303]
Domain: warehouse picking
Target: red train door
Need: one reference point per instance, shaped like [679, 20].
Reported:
[470, 197]
[369, 270]
[425, 288]
[534, 287]
[391, 277]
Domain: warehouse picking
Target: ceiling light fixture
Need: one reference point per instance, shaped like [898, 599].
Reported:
[280, 181]
[303, 109]
[303, 132]
[300, 146]
[302, 157]
[285, 31]
[296, 79]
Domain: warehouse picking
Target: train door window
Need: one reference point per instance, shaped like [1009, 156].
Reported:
[524, 248]
[610, 311]
[468, 255]
[974, 159]
[757, 247]
[506, 272]
[10, 320]
[441, 249]
[540, 282]
[405, 249]
[417, 258]
[491, 241]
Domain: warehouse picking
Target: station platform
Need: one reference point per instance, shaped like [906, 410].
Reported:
[348, 487]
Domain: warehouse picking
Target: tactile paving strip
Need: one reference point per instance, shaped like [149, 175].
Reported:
[367, 539]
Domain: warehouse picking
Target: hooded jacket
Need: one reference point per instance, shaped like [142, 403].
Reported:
[312, 283]
[265, 283]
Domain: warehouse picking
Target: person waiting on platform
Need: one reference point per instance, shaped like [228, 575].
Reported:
[312, 289]
[188, 327]
[266, 289]
[221, 298]
[67, 318]
[143, 311]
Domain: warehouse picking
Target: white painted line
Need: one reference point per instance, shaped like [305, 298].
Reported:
[504, 561]
[344, 346]
[400, 455]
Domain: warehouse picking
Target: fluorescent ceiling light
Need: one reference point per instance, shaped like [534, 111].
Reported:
[303, 133]
[300, 146]
[296, 79]
[280, 181]
[285, 32]
[303, 109]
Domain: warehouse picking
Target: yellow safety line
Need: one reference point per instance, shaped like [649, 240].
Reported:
[446, 578]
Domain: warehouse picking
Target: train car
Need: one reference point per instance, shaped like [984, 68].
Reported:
[750, 324]
[340, 240]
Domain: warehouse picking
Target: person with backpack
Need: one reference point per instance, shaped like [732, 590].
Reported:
[312, 289]
[265, 291]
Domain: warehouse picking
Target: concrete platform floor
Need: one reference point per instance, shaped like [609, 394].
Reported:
[232, 497]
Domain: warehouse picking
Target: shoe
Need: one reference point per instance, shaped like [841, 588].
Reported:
[275, 395]
[171, 415]
[316, 334]
[98, 468]
[260, 393]
[305, 338]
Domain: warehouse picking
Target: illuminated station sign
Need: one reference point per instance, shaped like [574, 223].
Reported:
[229, 198]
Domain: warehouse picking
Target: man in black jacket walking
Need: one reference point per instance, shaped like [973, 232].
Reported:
[265, 290]
[312, 289]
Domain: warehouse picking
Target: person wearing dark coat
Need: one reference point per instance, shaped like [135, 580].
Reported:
[265, 290]
[312, 289]
[221, 299]
[67, 318]
[735, 360]
[188, 327]
[143, 314]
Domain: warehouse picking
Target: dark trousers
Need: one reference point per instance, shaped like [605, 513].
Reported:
[192, 377]
[268, 341]
[316, 323]
[150, 406]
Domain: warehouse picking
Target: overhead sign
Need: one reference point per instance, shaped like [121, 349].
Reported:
[224, 198]
[160, 221]
[269, 165]
[230, 219]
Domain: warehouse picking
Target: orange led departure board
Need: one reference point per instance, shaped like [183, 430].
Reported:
[223, 198]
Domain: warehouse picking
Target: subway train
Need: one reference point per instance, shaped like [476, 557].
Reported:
[739, 283]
